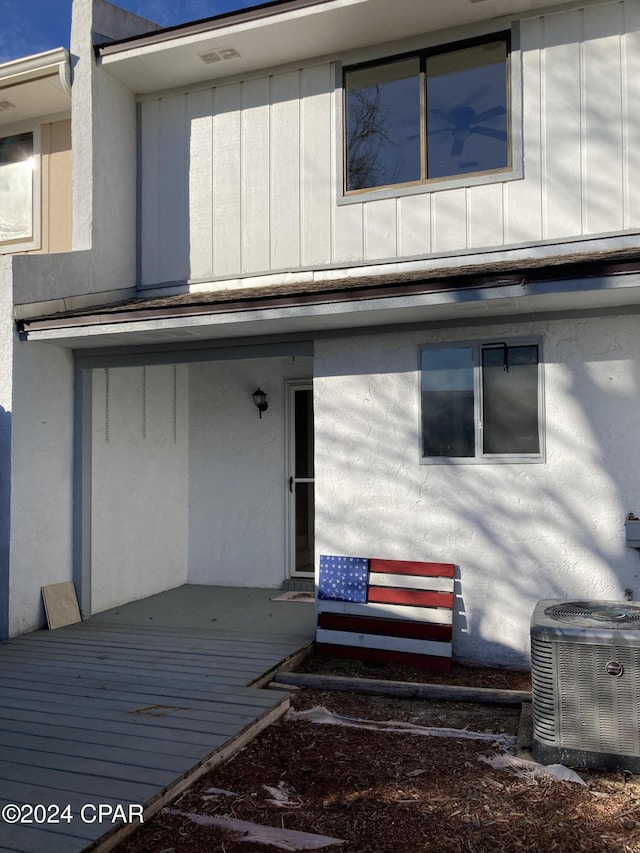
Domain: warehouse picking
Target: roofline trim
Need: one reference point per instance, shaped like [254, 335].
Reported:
[29, 67]
[205, 25]
[525, 281]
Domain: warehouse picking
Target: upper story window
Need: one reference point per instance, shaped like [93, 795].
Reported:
[428, 116]
[16, 188]
[482, 401]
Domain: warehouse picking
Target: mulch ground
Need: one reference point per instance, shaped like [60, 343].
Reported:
[384, 792]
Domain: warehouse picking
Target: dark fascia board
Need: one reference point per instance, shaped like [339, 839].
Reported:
[351, 290]
[205, 25]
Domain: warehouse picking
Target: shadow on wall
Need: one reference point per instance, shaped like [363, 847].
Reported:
[517, 532]
[5, 519]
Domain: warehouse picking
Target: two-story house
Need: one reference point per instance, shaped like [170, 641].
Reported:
[415, 226]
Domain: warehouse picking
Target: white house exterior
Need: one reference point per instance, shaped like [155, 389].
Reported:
[457, 299]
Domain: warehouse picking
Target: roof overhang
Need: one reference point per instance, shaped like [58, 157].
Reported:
[35, 86]
[287, 31]
[166, 323]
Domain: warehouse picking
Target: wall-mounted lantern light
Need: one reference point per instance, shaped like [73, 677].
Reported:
[260, 399]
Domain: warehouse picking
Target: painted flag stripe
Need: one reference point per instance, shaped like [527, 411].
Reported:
[394, 644]
[411, 582]
[385, 627]
[438, 616]
[437, 664]
[408, 567]
[410, 596]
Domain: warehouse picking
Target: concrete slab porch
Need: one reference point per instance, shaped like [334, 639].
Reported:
[220, 608]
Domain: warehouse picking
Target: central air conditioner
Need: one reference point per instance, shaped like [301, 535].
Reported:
[585, 679]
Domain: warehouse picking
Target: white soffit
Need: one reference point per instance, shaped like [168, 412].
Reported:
[172, 60]
[35, 86]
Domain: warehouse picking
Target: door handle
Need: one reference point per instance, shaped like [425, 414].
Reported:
[291, 484]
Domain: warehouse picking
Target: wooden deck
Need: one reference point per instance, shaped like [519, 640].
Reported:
[119, 714]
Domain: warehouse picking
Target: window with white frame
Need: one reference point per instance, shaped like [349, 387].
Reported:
[481, 401]
[16, 188]
[429, 115]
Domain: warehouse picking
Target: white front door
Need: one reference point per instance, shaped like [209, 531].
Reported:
[300, 478]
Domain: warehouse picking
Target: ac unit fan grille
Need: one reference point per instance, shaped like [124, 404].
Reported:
[590, 614]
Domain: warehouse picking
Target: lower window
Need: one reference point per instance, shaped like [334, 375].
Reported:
[481, 401]
[16, 188]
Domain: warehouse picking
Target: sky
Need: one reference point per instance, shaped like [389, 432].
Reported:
[33, 26]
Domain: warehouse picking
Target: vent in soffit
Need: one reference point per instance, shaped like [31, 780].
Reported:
[596, 614]
[220, 55]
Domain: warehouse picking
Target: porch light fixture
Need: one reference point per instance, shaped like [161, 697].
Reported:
[260, 399]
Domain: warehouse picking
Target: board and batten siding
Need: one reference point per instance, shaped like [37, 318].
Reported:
[240, 179]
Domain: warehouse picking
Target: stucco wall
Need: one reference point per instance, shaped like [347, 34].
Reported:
[41, 478]
[517, 532]
[237, 474]
[104, 170]
[139, 494]
[6, 369]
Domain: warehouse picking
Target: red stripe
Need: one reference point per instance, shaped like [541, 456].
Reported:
[385, 627]
[437, 664]
[415, 597]
[406, 567]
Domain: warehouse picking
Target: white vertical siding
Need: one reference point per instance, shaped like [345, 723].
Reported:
[523, 205]
[254, 186]
[449, 220]
[414, 216]
[242, 178]
[562, 167]
[316, 142]
[200, 119]
[483, 229]
[380, 229]
[631, 113]
[174, 203]
[348, 233]
[225, 157]
[285, 171]
[152, 192]
[603, 128]
[139, 492]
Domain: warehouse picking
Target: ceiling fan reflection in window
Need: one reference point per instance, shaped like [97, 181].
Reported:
[464, 122]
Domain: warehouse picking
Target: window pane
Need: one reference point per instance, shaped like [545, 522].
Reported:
[447, 402]
[304, 503]
[303, 433]
[510, 400]
[382, 125]
[467, 110]
[16, 187]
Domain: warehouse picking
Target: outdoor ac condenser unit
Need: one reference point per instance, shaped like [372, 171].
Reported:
[585, 674]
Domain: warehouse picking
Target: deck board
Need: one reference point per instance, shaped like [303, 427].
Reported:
[116, 714]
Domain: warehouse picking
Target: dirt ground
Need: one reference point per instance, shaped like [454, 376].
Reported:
[390, 792]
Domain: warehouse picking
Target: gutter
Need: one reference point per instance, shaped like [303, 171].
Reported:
[36, 67]
[247, 300]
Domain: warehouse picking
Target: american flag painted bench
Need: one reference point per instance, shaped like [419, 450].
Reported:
[386, 611]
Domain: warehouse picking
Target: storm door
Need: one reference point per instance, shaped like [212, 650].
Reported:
[300, 478]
